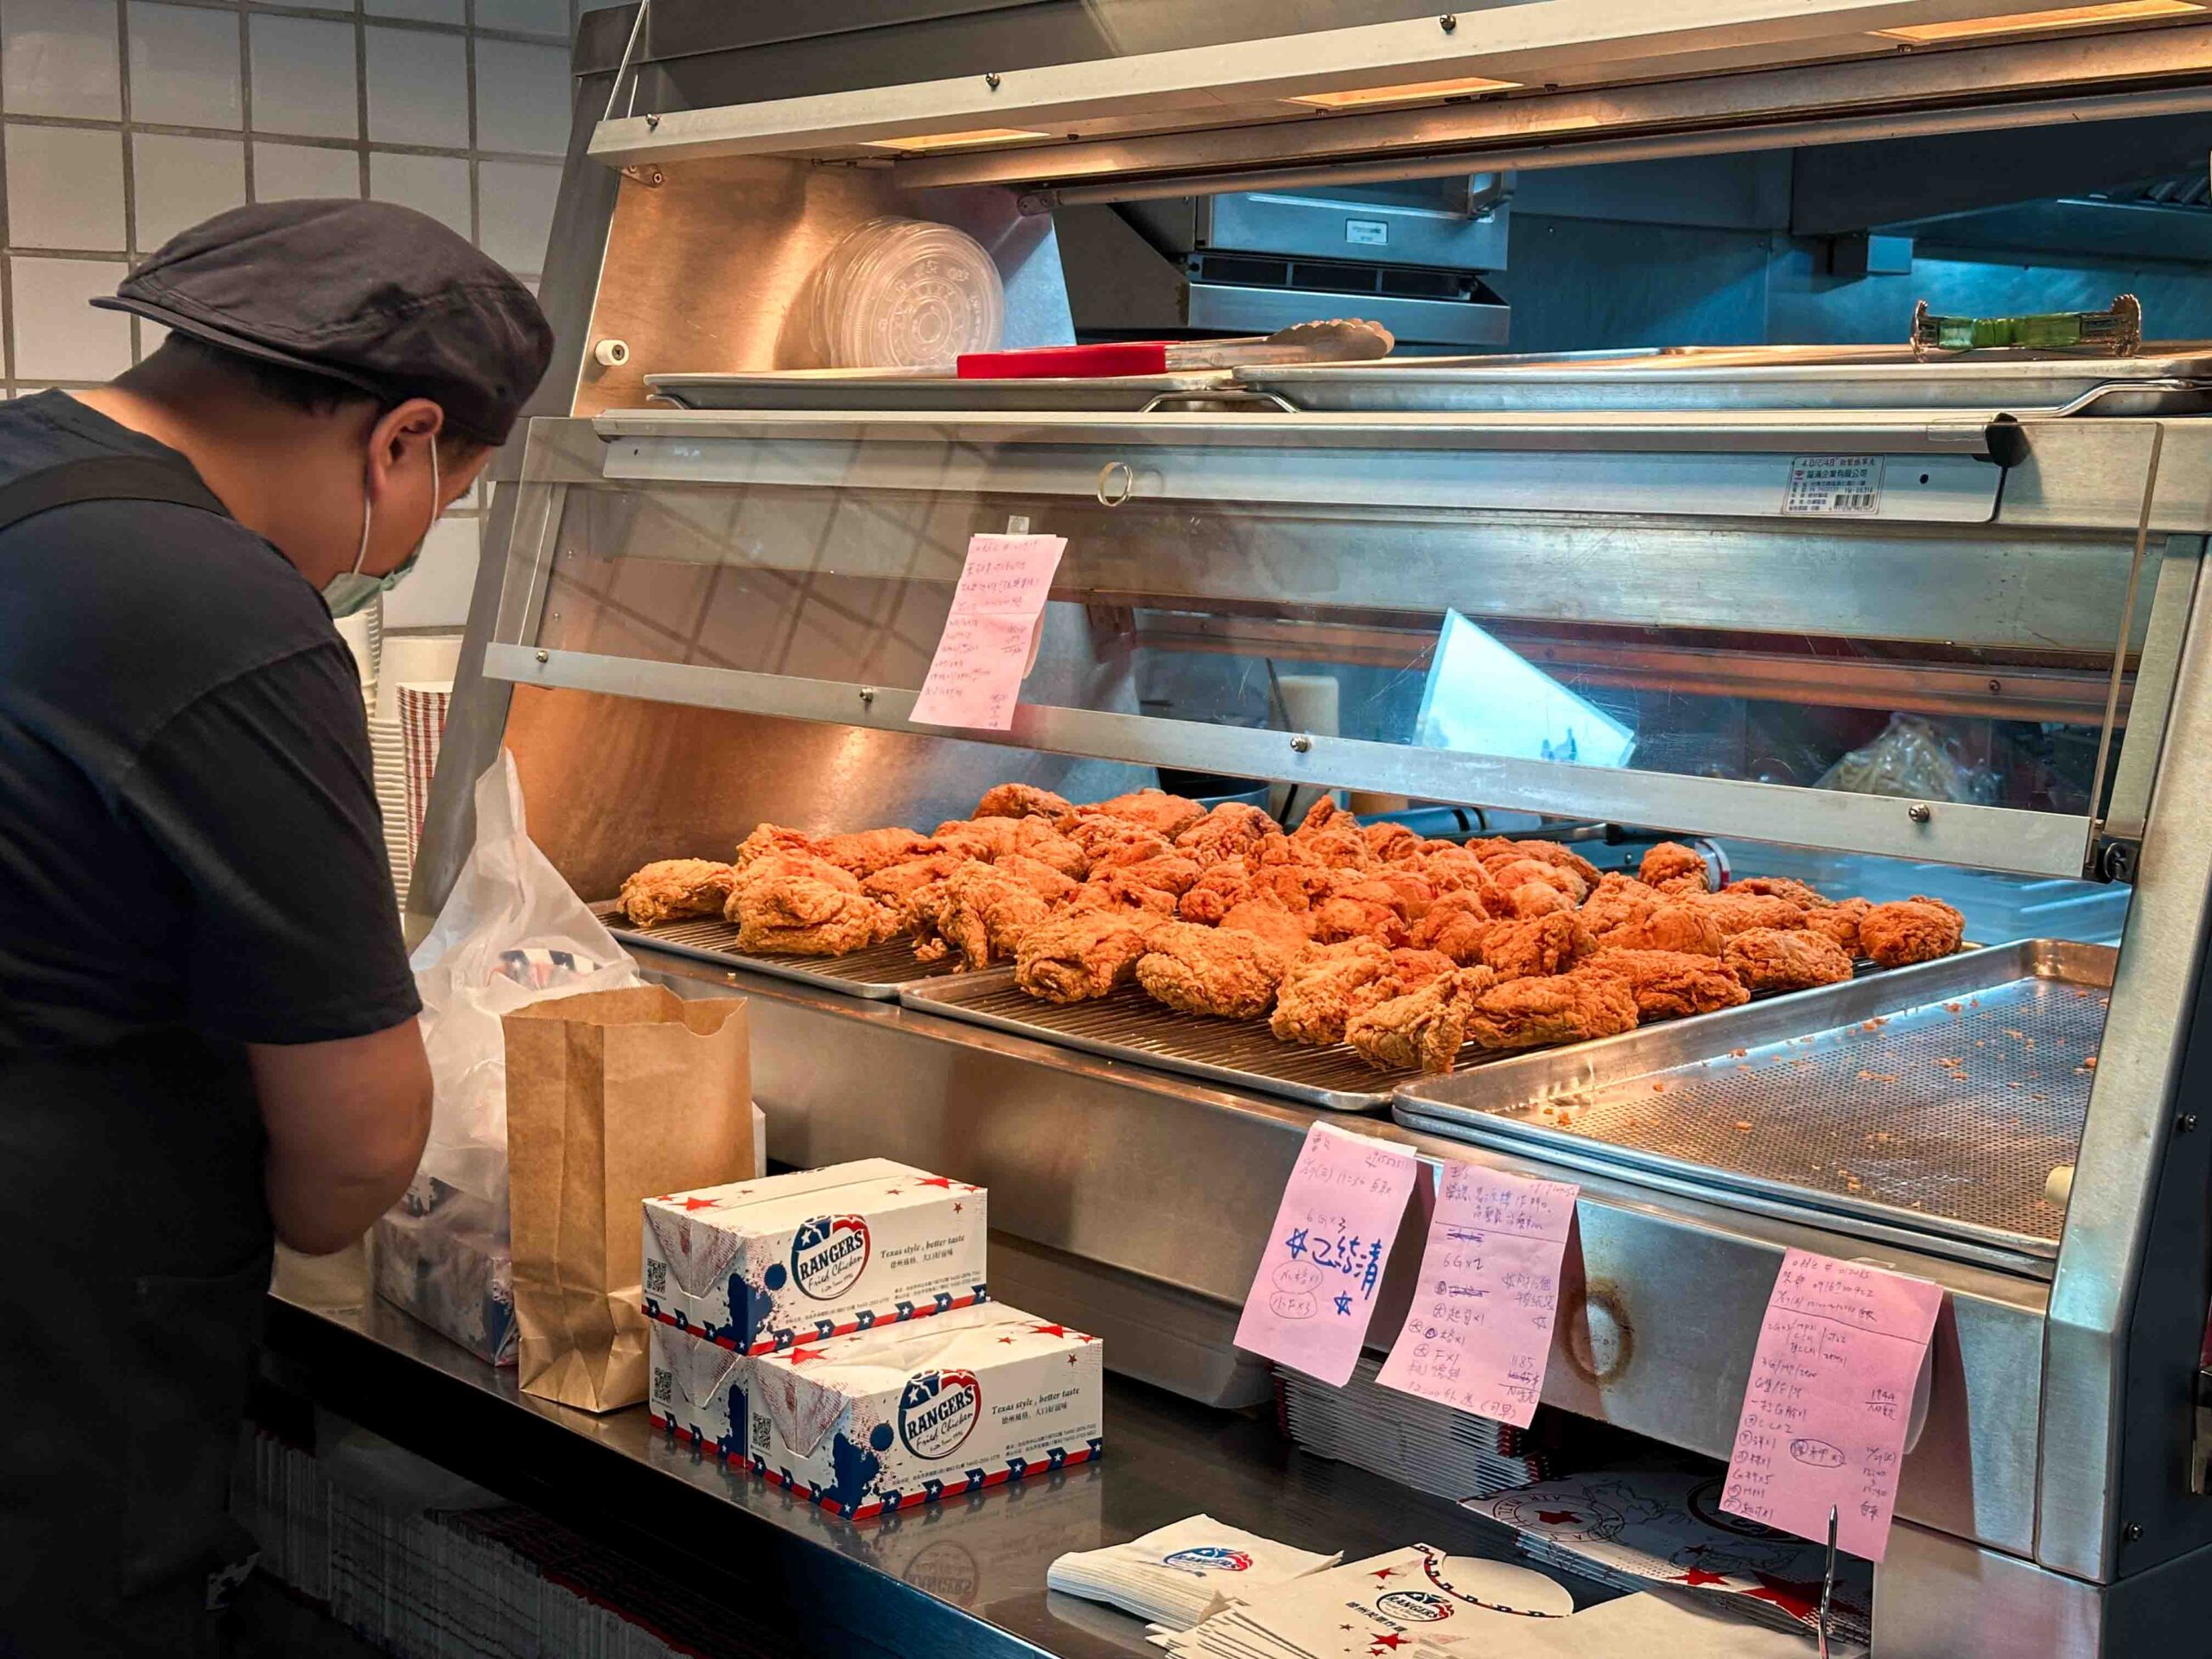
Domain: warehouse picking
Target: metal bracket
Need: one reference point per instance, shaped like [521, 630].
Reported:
[622, 67]
[2113, 858]
[652, 177]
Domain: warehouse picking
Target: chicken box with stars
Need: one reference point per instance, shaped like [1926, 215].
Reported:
[905, 1414]
[699, 1391]
[759, 1266]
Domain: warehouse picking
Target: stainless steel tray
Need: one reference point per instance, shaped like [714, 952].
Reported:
[1130, 1026]
[877, 973]
[1839, 1099]
[2179, 382]
[871, 389]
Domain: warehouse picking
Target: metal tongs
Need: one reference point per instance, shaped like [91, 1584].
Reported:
[1827, 1583]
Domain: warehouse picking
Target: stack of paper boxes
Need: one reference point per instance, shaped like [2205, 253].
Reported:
[834, 1329]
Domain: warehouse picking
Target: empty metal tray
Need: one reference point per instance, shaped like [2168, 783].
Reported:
[1937, 1097]
[877, 973]
[1130, 1026]
[875, 389]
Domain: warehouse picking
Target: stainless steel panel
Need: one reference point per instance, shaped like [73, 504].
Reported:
[845, 389]
[2172, 588]
[1941, 1598]
[1130, 1026]
[1937, 1098]
[2004, 838]
[1176, 1180]
[1234, 308]
[2164, 384]
[877, 973]
[2106, 1278]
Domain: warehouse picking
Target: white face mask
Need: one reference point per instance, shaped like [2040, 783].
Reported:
[349, 590]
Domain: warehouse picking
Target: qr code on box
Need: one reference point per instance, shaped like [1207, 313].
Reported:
[664, 1384]
[657, 1278]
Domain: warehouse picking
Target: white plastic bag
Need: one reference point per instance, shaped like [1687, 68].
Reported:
[511, 933]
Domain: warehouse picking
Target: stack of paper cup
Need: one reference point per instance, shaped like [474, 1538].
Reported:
[421, 729]
[1184, 1571]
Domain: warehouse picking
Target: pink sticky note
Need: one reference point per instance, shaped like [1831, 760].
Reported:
[1827, 1409]
[1311, 1300]
[1478, 1334]
[991, 634]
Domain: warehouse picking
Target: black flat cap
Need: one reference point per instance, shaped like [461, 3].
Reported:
[380, 297]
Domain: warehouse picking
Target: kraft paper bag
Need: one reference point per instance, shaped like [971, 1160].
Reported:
[613, 1096]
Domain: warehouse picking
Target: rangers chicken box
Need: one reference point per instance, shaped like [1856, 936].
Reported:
[761, 1266]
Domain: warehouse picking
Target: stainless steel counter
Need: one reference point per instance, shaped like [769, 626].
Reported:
[964, 1578]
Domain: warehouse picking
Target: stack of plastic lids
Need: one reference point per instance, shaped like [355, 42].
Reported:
[1418, 1443]
[1182, 1573]
[905, 294]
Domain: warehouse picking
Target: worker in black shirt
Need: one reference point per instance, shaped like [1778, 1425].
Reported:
[208, 1032]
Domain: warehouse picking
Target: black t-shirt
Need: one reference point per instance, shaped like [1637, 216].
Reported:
[191, 860]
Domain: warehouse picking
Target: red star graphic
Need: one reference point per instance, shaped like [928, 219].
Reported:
[971, 1189]
[1698, 1575]
[959, 1209]
[893, 1193]
[1557, 1517]
[1079, 1337]
[1048, 1330]
[1799, 1600]
[800, 1355]
[1384, 1573]
[1071, 1359]
[936, 1180]
[1006, 1339]
[1389, 1641]
[1343, 1627]
[690, 1204]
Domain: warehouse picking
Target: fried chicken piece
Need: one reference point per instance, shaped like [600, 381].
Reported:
[980, 911]
[1449, 868]
[866, 851]
[1536, 948]
[1392, 843]
[768, 838]
[1051, 885]
[1740, 913]
[1171, 872]
[1455, 926]
[1021, 801]
[791, 903]
[1115, 894]
[1325, 985]
[1546, 852]
[1670, 984]
[1533, 899]
[1331, 837]
[1423, 1030]
[1136, 846]
[1558, 1008]
[1780, 887]
[981, 840]
[1345, 917]
[1414, 968]
[1226, 833]
[670, 889]
[1152, 808]
[1917, 929]
[1672, 868]
[1513, 873]
[1098, 835]
[1786, 959]
[1294, 883]
[1675, 926]
[895, 884]
[1285, 931]
[1229, 975]
[1076, 956]
[1210, 897]
[1841, 923]
[1618, 898]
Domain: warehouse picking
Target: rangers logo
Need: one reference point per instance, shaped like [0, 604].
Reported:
[829, 1255]
[1414, 1606]
[937, 1411]
[1209, 1558]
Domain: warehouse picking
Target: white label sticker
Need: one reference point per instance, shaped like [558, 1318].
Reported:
[1369, 232]
[1846, 484]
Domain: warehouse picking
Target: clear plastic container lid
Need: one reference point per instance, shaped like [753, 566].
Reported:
[903, 293]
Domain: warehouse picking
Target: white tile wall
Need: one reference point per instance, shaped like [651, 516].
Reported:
[262, 101]
[177, 181]
[184, 66]
[64, 186]
[418, 87]
[60, 57]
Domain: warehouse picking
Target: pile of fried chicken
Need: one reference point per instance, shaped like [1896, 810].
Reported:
[1406, 948]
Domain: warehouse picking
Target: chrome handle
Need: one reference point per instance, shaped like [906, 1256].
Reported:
[1108, 475]
[1219, 395]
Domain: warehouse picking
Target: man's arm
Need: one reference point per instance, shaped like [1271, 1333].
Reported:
[346, 1121]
